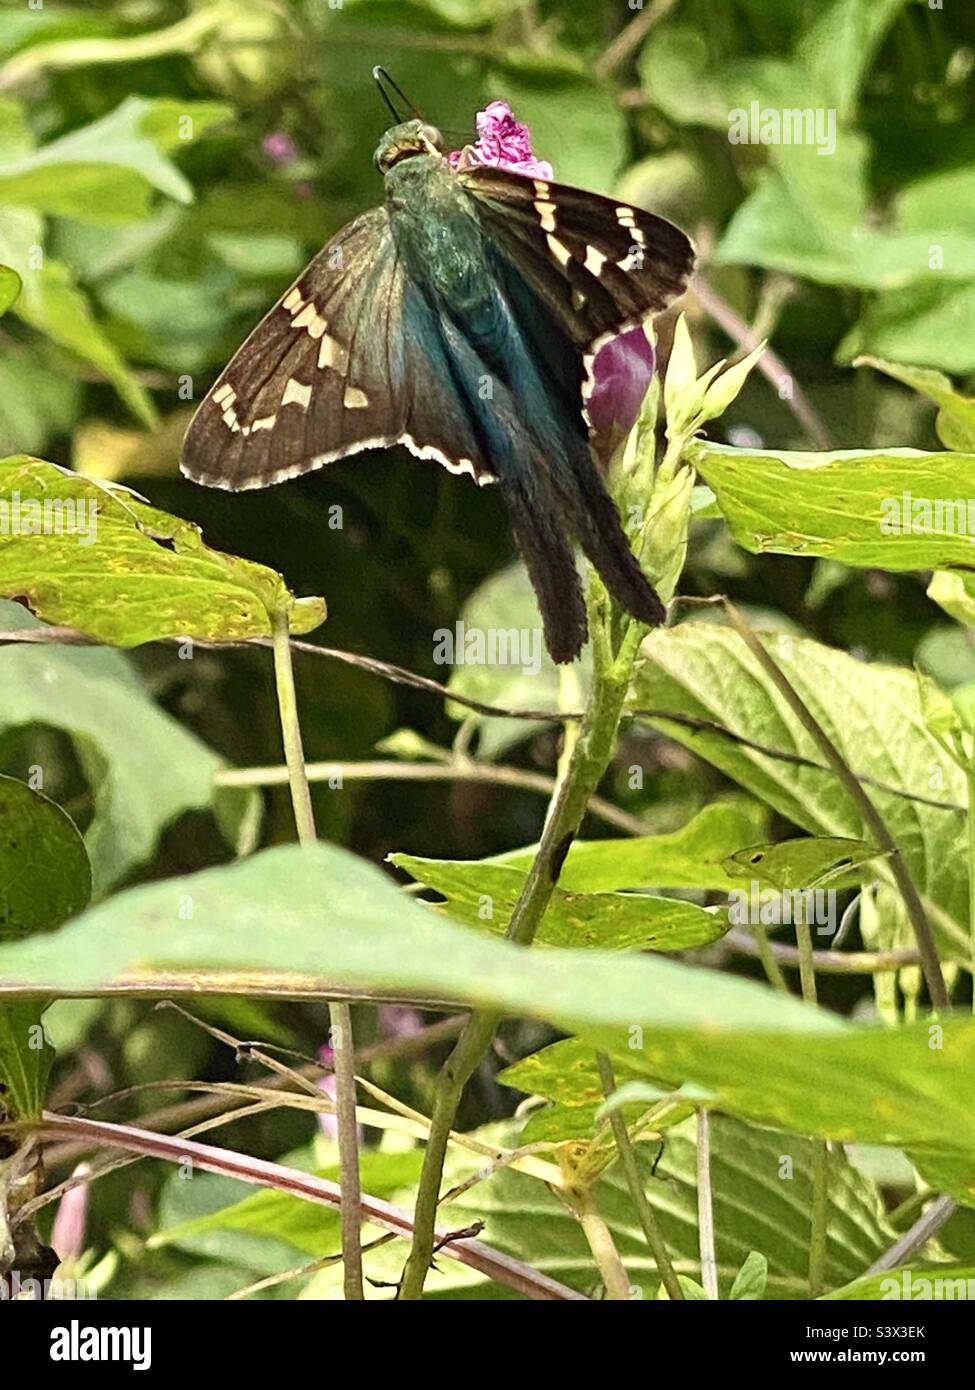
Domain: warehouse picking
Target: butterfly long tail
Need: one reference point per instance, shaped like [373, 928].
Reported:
[596, 522]
[547, 552]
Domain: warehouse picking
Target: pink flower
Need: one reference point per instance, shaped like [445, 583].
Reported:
[68, 1232]
[622, 373]
[503, 143]
[624, 366]
[279, 147]
[328, 1121]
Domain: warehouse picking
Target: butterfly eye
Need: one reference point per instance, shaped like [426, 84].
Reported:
[432, 135]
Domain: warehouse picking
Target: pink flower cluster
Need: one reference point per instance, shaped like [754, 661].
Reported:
[502, 142]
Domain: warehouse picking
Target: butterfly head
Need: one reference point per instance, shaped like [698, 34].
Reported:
[406, 140]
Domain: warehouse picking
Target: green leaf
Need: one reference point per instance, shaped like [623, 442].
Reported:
[38, 398]
[505, 603]
[338, 921]
[124, 742]
[561, 1124]
[752, 1278]
[696, 75]
[783, 226]
[756, 1207]
[56, 307]
[956, 417]
[465, 14]
[871, 712]
[45, 878]
[955, 592]
[928, 324]
[900, 509]
[691, 857]
[9, 287]
[26, 1058]
[122, 571]
[106, 171]
[43, 36]
[753, 1206]
[306, 1228]
[342, 919]
[804, 863]
[566, 1072]
[483, 895]
[906, 1087]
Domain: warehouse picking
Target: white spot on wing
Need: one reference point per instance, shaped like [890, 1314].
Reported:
[561, 252]
[311, 319]
[354, 398]
[296, 393]
[333, 354]
[546, 212]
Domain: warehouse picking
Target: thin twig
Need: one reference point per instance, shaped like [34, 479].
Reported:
[705, 1206]
[628, 40]
[177, 1149]
[819, 1215]
[399, 675]
[769, 364]
[634, 1182]
[828, 962]
[590, 758]
[917, 1237]
[340, 1012]
[930, 961]
[461, 770]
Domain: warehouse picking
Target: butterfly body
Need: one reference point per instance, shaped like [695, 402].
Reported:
[459, 319]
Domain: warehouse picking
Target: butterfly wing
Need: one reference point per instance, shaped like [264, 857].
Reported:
[579, 268]
[322, 375]
[574, 269]
[597, 265]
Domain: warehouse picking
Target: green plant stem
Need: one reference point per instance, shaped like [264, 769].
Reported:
[818, 1219]
[589, 760]
[705, 1207]
[599, 1237]
[773, 971]
[930, 961]
[340, 1014]
[970, 821]
[820, 1172]
[645, 1212]
[807, 969]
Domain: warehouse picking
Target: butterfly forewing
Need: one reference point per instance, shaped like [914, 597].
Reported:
[321, 376]
[597, 264]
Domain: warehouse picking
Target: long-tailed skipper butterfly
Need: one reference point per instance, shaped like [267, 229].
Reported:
[460, 319]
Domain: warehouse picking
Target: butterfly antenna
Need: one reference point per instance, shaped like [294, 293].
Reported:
[383, 80]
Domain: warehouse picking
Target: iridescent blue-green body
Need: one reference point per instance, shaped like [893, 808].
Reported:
[460, 319]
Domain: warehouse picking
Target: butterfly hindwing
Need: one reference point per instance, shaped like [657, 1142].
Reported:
[321, 376]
